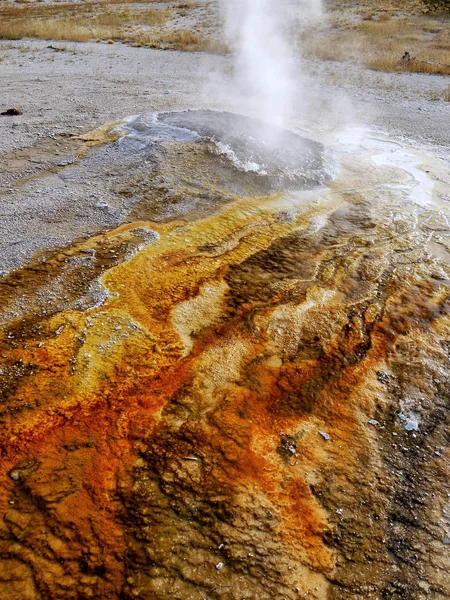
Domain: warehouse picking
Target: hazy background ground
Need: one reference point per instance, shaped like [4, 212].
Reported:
[376, 34]
[104, 53]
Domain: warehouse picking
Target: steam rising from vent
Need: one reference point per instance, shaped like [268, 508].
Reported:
[264, 38]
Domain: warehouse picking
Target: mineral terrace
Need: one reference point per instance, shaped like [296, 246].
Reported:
[240, 392]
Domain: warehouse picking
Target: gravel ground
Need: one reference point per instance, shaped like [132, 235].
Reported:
[88, 84]
[91, 83]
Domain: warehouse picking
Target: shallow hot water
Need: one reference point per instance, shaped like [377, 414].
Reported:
[281, 158]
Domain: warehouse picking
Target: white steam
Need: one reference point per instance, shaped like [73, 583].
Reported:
[264, 37]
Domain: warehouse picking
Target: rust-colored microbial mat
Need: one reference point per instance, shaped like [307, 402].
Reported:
[248, 403]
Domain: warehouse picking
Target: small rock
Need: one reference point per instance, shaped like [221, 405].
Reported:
[407, 58]
[288, 447]
[101, 204]
[373, 422]
[324, 435]
[11, 112]
[219, 566]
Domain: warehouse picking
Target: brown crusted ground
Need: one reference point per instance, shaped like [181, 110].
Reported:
[201, 430]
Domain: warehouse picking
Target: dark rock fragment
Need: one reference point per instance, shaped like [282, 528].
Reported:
[11, 112]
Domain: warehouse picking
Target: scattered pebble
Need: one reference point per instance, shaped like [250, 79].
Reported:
[101, 204]
[11, 112]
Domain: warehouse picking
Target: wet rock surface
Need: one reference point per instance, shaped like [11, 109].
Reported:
[145, 173]
[241, 399]
[281, 158]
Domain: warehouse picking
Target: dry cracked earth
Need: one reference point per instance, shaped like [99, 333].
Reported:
[230, 393]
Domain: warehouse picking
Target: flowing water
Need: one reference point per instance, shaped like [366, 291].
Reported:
[241, 391]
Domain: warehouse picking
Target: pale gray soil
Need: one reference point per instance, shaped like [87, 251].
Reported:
[88, 84]
[91, 83]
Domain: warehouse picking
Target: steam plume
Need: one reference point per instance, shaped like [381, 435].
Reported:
[263, 35]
